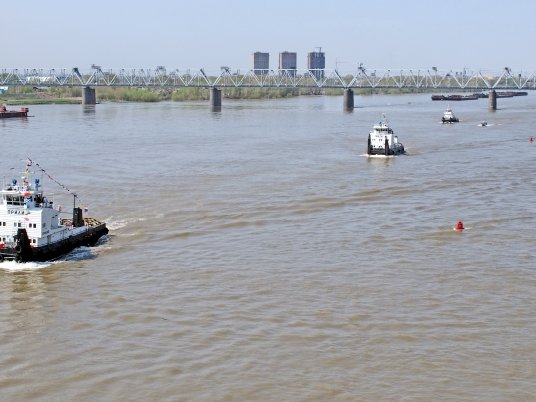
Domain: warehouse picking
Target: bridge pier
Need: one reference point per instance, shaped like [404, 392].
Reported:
[348, 100]
[492, 100]
[88, 96]
[215, 99]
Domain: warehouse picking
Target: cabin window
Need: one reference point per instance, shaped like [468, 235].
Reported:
[14, 200]
[33, 241]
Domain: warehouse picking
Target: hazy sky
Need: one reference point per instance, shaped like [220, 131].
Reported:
[475, 34]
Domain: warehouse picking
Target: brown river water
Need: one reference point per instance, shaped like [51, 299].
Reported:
[257, 255]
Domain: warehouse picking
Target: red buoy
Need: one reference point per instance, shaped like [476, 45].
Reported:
[27, 194]
[459, 226]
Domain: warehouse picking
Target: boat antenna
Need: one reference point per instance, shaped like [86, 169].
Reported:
[31, 162]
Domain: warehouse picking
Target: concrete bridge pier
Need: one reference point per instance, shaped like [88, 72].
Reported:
[88, 96]
[348, 100]
[215, 99]
[492, 100]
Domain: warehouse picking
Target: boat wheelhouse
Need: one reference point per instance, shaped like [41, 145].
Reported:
[383, 141]
[32, 227]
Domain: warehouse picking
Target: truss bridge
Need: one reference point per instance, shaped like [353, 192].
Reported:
[160, 77]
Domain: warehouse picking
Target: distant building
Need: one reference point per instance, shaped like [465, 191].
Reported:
[261, 63]
[316, 63]
[288, 63]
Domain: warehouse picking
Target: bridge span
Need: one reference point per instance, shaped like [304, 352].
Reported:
[362, 78]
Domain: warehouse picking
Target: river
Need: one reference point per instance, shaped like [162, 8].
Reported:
[257, 255]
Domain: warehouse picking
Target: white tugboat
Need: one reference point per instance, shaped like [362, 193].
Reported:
[31, 229]
[383, 141]
[448, 117]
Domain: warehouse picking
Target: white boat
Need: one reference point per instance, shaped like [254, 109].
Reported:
[448, 116]
[32, 229]
[383, 141]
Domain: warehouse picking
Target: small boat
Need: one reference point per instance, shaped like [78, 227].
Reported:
[32, 229]
[448, 116]
[484, 123]
[383, 141]
[5, 114]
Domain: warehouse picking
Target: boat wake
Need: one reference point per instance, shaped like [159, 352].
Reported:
[116, 224]
[86, 252]
[381, 156]
[78, 254]
[462, 230]
[13, 266]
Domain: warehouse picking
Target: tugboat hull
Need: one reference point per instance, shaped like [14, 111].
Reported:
[24, 252]
[390, 152]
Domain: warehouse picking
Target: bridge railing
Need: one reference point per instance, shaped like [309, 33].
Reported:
[312, 79]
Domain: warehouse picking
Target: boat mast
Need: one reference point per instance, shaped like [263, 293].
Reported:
[30, 163]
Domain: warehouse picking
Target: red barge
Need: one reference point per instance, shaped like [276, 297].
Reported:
[5, 114]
